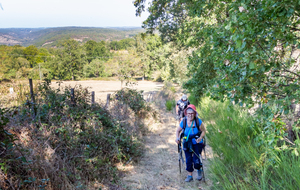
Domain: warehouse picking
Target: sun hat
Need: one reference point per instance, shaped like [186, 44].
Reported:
[184, 97]
[191, 106]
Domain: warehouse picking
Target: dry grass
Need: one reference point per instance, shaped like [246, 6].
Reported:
[20, 95]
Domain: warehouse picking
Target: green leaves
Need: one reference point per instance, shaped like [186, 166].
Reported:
[252, 65]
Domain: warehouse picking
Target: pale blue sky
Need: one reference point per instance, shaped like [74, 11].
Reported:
[57, 13]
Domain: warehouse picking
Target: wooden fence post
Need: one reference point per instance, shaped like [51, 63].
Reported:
[107, 100]
[93, 97]
[32, 97]
[31, 91]
[72, 97]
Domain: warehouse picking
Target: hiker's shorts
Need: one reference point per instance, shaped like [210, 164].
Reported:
[192, 161]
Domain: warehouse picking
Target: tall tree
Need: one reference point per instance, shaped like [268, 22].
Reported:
[30, 54]
[166, 16]
[151, 50]
[96, 50]
[72, 59]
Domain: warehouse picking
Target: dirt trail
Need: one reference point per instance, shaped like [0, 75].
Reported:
[158, 168]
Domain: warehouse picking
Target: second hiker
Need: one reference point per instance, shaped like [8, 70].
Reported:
[181, 105]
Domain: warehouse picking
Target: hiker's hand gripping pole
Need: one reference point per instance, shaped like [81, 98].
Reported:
[177, 140]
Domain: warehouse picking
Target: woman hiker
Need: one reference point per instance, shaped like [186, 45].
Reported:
[193, 133]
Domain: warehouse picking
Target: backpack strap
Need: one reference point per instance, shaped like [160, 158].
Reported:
[183, 127]
[197, 123]
[184, 123]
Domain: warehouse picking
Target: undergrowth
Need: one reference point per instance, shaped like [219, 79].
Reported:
[170, 104]
[244, 156]
[66, 145]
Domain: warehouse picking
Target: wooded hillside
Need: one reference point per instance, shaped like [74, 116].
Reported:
[49, 37]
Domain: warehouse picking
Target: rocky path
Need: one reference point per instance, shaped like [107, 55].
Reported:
[158, 168]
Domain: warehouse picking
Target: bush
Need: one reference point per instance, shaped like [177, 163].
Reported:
[193, 100]
[64, 145]
[242, 160]
[170, 104]
[133, 98]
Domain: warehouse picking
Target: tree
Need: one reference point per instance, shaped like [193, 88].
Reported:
[243, 49]
[30, 54]
[94, 69]
[70, 60]
[152, 52]
[123, 44]
[96, 50]
[165, 15]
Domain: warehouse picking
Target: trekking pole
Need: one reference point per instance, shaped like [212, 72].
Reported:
[204, 143]
[179, 157]
[201, 162]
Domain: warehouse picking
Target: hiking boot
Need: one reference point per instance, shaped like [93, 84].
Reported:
[189, 178]
[199, 177]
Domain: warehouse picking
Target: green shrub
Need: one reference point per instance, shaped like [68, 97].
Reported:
[170, 104]
[133, 98]
[193, 100]
[244, 160]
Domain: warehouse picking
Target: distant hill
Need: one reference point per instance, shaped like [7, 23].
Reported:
[49, 37]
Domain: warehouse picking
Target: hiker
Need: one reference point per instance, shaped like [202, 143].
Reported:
[193, 131]
[181, 105]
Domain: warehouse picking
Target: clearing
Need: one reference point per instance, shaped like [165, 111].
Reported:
[102, 88]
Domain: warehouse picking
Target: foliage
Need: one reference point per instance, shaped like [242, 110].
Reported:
[71, 60]
[244, 159]
[170, 105]
[123, 44]
[65, 145]
[152, 52]
[94, 69]
[247, 53]
[244, 49]
[133, 98]
[96, 50]
[165, 15]
[30, 54]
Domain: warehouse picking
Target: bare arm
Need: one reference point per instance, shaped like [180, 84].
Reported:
[179, 129]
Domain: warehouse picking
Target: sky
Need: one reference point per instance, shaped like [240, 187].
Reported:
[59, 13]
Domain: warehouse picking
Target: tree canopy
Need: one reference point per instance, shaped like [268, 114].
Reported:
[246, 51]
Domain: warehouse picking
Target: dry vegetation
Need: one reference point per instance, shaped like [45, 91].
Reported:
[90, 147]
[70, 146]
[20, 92]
